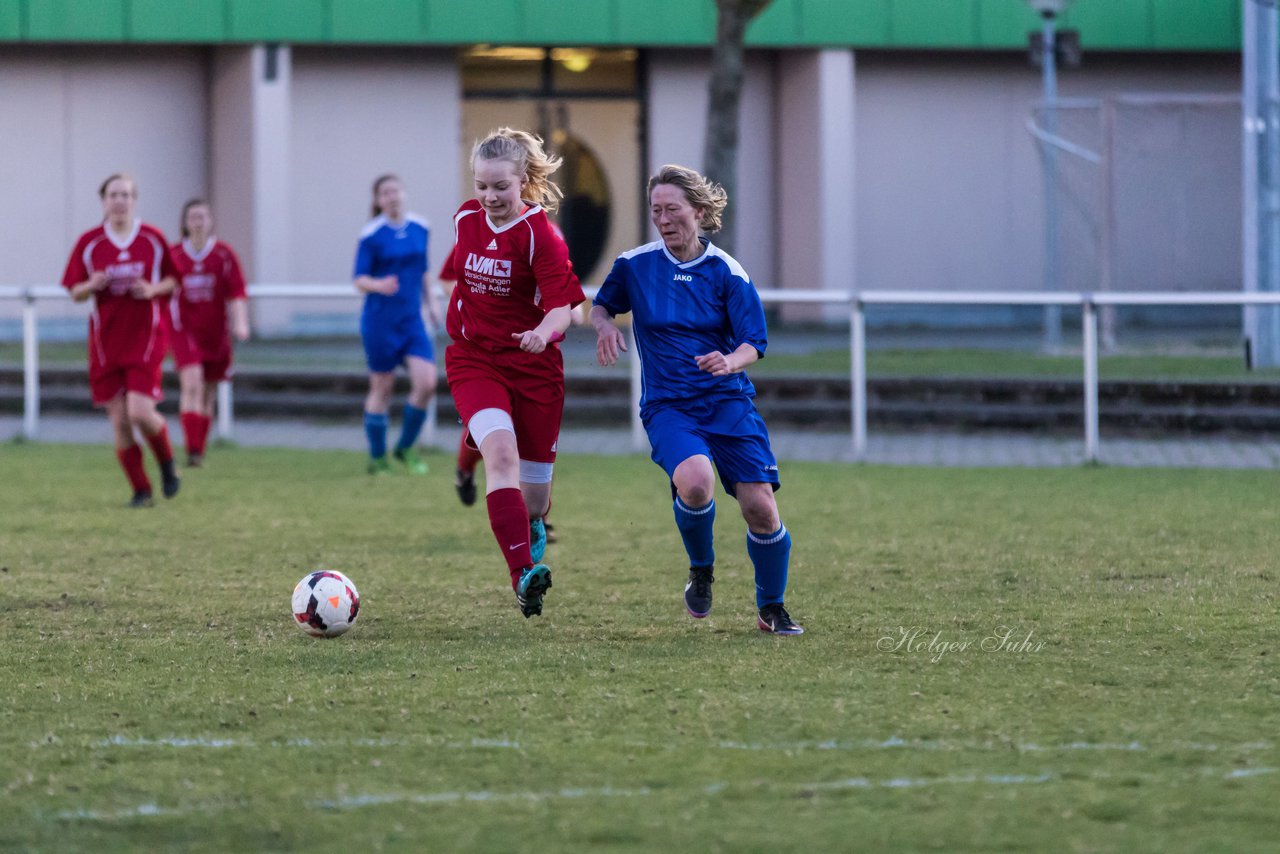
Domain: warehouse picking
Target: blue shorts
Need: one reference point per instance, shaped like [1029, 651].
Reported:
[728, 430]
[387, 346]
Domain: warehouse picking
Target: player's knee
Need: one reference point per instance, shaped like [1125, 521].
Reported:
[501, 460]
[762, 520]
[695, 481]
[696, 492]
[759, 510]
[420, 393]
[138, 413]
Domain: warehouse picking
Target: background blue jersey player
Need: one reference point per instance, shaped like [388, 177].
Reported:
[391, 271]
[698, 323]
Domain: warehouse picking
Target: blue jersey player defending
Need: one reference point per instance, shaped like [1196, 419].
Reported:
[698, 324]
[391, 271]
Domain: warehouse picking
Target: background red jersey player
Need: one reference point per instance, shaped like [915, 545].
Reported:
[210, 286]
[514, 294]
[125, 267]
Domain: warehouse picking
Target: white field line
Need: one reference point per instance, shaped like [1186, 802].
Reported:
[222, 743]
[481, 796]
[891, 743]
[488, 796]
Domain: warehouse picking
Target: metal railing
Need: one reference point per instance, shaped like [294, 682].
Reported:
[856, 301]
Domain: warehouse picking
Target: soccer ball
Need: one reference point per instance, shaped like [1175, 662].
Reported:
[325, 603]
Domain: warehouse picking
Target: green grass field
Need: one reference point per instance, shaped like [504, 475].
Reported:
[1066, 660]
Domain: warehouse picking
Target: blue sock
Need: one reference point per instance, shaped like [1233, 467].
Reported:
[375, 428]
[412, 426]
[696, 526]
[770, 554]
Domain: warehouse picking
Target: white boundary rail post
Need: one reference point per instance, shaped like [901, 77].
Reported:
[226, 415]
[30, 368]
[429, 426]
[858, 376]
[1089, 330]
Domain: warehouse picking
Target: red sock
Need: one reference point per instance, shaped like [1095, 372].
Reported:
[160, 446]
[131, 461]
[468, 457]
[510, 523]
[205, 423]
[191, 432]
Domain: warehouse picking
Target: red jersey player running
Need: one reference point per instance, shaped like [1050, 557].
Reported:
[210, 284]
[515, 291]
[124, 265]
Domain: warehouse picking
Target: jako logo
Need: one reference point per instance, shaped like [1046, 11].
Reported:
[682, 277]
[488, 266]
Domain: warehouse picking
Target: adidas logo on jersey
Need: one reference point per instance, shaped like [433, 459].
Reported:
[493, 244]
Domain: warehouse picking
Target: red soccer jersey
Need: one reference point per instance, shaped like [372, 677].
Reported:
[207, 281]
[508, 277]
[123, 330]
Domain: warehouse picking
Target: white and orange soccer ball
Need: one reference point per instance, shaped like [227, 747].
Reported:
[325, 603]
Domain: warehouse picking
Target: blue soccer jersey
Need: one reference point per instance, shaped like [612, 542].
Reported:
[681, 311]
[387, 250]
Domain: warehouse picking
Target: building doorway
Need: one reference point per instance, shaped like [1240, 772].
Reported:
[585, 104]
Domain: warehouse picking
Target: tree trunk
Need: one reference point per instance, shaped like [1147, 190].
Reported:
[720, 157]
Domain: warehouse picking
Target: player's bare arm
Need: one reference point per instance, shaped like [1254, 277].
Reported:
[718, 364]
[142, 289]
[609, 340]
[240, 319]
[550, 330]
[387, 285]
[97, 281]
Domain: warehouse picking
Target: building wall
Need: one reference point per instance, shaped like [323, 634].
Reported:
[355, 116]
[949, 184]
[71, 118]
[351, 116]
[946, 188]
[677, 127]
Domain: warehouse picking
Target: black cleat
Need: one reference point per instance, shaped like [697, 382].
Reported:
[466, 485]
[775, 620]
[141, 498]
[697, 592]
[551, 532]
[172, 483]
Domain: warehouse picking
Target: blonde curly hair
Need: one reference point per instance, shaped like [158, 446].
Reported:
[707, 198]
[531, 161]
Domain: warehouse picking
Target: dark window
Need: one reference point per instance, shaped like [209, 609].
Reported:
[584, 214]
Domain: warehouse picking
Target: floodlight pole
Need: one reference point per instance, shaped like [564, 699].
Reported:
[1049, 80]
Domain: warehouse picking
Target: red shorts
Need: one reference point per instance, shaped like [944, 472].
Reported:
[187, 352]
[528, 386]
[107, 382]
[116, 366]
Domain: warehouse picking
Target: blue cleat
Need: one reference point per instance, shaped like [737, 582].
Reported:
[534, 581]
[537, 540]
